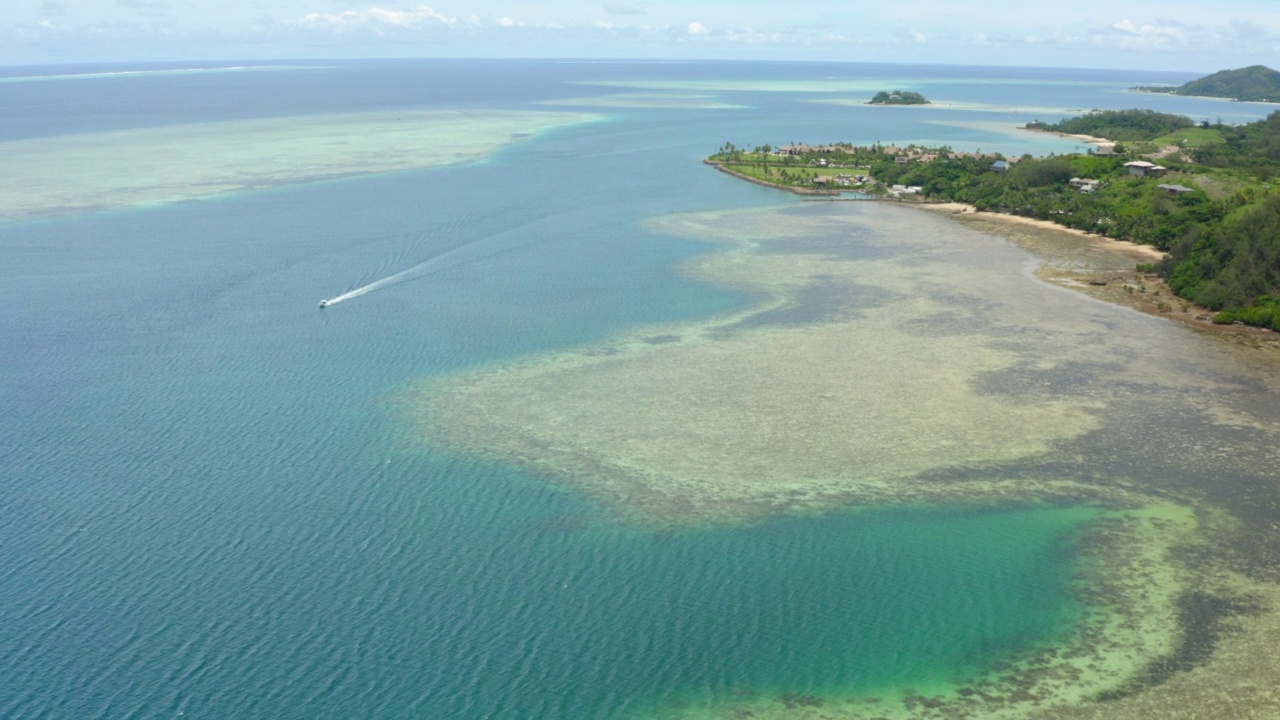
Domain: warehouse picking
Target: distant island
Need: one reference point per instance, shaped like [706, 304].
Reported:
[1256, 83]
[898, 97]
[1201, 193]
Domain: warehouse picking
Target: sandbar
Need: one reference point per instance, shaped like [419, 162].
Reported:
[957, 105]
[790, 86]
[655, 101]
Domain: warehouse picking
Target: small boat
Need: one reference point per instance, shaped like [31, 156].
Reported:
[324, 304]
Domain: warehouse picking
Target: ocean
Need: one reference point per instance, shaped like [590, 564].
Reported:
[217, 501]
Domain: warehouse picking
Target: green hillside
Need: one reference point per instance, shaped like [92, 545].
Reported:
[1256, 83]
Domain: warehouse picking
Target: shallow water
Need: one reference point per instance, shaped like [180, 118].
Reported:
[216, 499]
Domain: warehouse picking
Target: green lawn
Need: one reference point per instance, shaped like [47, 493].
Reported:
[773, 173]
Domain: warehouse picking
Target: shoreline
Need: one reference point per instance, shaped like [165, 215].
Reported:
[1089, 139]
[1123, 247]
[1200, 97]
[1134, 285]
[1145, 292]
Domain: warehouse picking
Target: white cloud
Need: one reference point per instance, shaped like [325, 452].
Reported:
[911, 36]
[1155, 35]
[1117, 33]
[375, 17]
[409, 19]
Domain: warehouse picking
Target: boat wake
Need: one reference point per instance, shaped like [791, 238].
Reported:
[366, 289]
[454, 259]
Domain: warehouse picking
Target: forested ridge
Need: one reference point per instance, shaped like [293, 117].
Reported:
[1256, 83]
[1119, 124]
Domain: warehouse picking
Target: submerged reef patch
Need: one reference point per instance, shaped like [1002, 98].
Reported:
[923, 363]
[835, 387]
[70, 174]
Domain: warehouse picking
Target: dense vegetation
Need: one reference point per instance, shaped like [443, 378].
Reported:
[1252, 148]
[1256, 83]
[1223, 237]
[1121, 125]
[898, 97]
[1233, 267]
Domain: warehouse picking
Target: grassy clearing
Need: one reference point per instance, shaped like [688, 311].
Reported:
[784, 175]
[1195, 137]
[1220, 184]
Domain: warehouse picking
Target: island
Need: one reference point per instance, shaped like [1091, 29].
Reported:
[1256, 83]
[1201, 194]
[898, 97]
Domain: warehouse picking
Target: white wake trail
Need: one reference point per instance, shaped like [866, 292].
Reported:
[418, 271]
[365, 289]
[455, 258]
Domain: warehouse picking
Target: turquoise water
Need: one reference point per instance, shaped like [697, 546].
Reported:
[210, 503]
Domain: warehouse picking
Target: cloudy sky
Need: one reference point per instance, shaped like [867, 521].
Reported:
[1146, 34]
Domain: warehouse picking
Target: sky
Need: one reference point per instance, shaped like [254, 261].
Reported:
[1127, 34]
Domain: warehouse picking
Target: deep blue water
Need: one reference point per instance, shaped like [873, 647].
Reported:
[211, 502]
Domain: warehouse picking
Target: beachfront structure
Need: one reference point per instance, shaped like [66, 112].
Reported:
[1000, 165]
